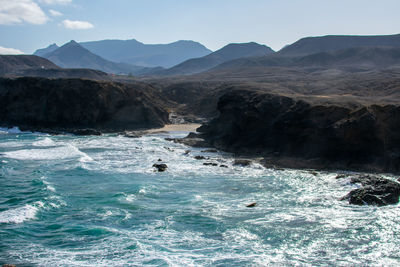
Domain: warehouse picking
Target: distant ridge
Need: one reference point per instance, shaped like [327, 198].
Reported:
[312, 45]
[227, 53]
[17, 63]
[44, 51]
[350, 59]
[148, 55]
[73, 55]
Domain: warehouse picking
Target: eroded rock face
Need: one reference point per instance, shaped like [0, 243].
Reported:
[343, 137]
[374, 191]
[35, 103]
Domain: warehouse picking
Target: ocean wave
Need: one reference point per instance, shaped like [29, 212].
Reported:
[21, 214]
[55, 153]
[13, 130]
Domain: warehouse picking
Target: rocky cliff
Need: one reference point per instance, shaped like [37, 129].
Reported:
[300, 133]
[38, 103]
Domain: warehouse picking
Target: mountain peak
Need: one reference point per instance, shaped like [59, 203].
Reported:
[72, 42]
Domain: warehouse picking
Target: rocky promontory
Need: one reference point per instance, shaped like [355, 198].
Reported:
[300, 133]
[77, 105]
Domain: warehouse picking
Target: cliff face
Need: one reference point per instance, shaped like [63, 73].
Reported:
[36, 103]
[310, 134]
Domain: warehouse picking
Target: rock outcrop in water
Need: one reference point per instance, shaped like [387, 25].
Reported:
[76, 104]
[374, 191]
[295, 133]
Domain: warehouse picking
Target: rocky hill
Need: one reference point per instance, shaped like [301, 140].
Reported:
[75, 104]
[16, 63]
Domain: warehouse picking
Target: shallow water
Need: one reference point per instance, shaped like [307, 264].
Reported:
[96, 201]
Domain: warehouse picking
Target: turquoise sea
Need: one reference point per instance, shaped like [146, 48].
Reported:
[96, 201]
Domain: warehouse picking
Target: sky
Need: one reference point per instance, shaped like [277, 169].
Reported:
[26, 25]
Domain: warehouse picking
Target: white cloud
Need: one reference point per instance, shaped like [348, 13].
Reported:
[9, 51]
[55, 13]
[55, 2]
[18, 11]
[77, 24]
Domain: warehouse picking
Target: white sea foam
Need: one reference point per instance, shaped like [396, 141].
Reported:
[13, 130]
[45, 142]
[54, 153]
[21, 214]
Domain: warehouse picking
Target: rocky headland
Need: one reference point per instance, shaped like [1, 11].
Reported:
[79, 106]
[306, 133]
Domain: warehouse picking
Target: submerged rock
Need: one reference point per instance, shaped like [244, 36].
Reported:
[160, 167]
[242, 162]
[86, 132]
[374, 191]
[210, 151]
[134, 134]
[210, 164]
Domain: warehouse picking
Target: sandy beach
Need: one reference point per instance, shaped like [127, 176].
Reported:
[190, 127]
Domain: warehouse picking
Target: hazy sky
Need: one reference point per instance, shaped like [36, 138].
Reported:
[27, 25]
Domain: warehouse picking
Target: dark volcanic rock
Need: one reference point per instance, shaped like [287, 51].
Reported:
[193, 140]
[86, 132]
[242, 162]
[199, 157]
[160, 167]
[75, 104]
[311, 134]
[374, 191]
[210, 151]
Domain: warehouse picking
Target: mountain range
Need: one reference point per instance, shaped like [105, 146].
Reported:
[341, 52]
[73, 55]
[136, 53]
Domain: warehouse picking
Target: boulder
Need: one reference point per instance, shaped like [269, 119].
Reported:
[160, 167]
